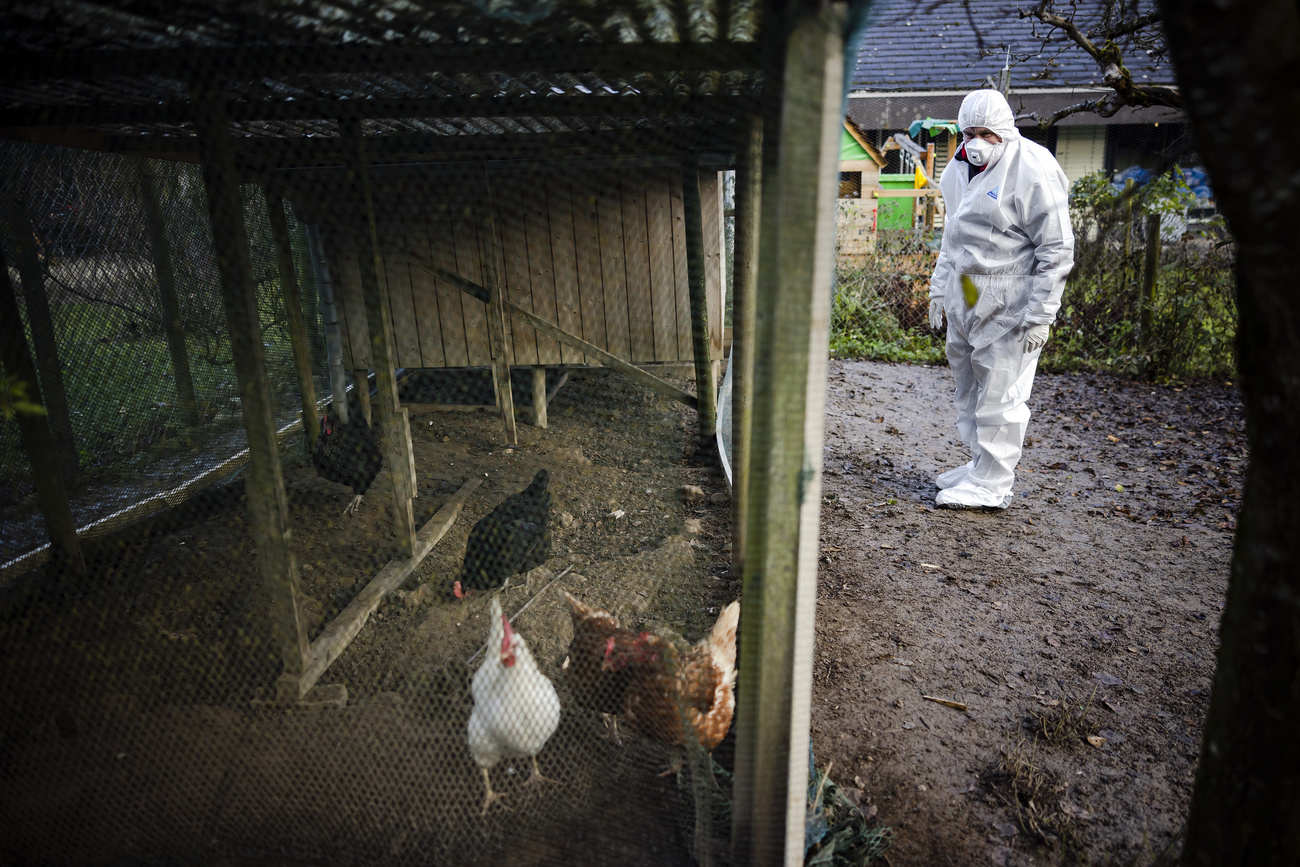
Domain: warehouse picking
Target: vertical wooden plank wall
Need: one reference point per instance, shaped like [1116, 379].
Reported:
[613, 256]
[639, 304]
[681, 277]
[462, 244]
[541, 268]
[714, 260]
[586, 236]
[568, 307]
[451, 300]
[397, 274]
[602, 255]
[424, 288]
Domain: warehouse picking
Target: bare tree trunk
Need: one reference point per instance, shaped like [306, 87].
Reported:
[1237, 62]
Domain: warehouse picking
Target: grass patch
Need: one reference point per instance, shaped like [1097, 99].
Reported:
[1035, 797]
[1068, 723]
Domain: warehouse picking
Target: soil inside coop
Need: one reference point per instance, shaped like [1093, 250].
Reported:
[133, 720]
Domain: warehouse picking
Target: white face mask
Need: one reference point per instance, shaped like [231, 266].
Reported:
[980, 152]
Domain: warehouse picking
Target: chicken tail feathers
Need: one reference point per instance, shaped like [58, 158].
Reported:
[722, 643]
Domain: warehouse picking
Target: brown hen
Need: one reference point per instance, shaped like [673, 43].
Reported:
[671, 689]
[596, 635]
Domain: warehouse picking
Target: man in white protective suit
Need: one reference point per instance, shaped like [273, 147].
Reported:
[1007, 228]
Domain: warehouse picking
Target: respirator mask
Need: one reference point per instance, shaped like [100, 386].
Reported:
[981, 153]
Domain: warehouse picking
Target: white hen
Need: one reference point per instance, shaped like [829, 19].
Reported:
[516, 709]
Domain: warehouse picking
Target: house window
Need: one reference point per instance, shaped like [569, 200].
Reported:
[850, 185]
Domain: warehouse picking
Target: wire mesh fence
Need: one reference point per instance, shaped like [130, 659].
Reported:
[452, 704]
[1151, 293]
[112, 261]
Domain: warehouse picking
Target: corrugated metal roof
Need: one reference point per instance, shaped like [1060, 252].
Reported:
[925, 46]
[448, 70]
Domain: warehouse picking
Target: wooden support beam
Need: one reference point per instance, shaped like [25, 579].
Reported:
[49, 369]
[749, 176]
[333, 331]
[796, 259]
[106, 113]
[488, 240]
[361, 387]
[335, 638]
[255, 63]
[539, 396]
[1150, 271]
[264, 483]
[19, 381]
[293, 312]
[396, 430]
[707, 399]
[169, 301]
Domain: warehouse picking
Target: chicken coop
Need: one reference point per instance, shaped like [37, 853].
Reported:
[363, 493]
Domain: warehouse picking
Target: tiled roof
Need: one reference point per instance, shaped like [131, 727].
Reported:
[921, 45]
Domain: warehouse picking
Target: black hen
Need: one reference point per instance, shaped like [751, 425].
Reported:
[348, 454]
[514, 537]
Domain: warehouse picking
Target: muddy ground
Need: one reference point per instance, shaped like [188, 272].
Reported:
[1078, 628]
[134, 726]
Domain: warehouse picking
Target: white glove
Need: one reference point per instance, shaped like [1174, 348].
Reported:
[936, 312]
[1036, 337]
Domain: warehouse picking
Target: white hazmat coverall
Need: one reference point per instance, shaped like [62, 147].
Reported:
[1008, 229]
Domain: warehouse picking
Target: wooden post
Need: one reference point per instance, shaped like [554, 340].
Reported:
[361, 386]
[173, 326]
[539, 396]
[293, 311]
[929, 172]
[1128, 235]
[49, 370]
[313, 317]
[38, 440]
[796, 258]
[704, 391]
[265, 482]
[1150, 270]
[333, 333]
[749, 175]
[496, 312]
[396, 429]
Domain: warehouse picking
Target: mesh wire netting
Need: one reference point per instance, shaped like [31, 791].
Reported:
[284, 647]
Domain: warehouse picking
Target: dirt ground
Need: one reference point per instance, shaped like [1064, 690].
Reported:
[1078, 628]
[135, 722]
[133, 719]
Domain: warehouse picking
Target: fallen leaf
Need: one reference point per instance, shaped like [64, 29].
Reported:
[1096, 741]
[955, 705]
[1119, 488]
[1132, 650]
[1059, 465]
[1112, 439]
[1107, 679]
